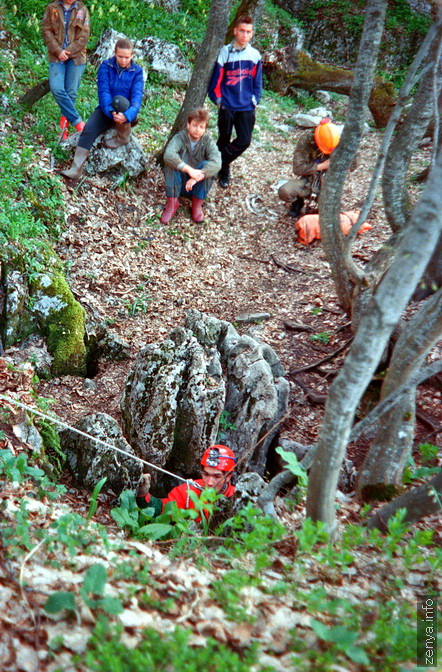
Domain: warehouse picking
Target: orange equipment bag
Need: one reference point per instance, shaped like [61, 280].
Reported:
[308, 226]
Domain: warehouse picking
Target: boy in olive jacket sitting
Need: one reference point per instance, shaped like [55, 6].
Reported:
[191, 160]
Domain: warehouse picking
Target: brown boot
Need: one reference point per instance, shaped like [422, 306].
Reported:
[76, 170]
[197, 210]
[121, 138]
[172, 206]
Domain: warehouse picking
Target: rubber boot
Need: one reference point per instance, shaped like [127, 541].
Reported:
[64, 127]
[197, 210]
[76, 169]
[296, 207]
[121, 138]
[172, 206]
[224, 177]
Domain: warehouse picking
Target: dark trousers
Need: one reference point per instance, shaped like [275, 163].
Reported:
[243, 123]
[97, 124]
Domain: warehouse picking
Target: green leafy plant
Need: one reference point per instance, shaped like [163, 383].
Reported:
[294, 466]
[322, 337]
[94, 497]
[91, 591]
[343, 639]
[162, 653]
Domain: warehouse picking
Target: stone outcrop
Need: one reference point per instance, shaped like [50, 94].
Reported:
[159, 55]
[165, 58]
[205, 383]
[129, 158]
[90, 461]
[43, 304]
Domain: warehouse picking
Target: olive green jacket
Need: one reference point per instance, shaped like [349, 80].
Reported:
[179, 152]
[78, 31]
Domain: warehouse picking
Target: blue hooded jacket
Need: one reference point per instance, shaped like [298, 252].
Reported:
[113, 81]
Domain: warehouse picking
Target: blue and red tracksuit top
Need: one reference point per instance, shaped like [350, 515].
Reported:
[236, 81]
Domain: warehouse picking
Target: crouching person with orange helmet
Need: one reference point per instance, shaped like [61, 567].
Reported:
[310, 159]
[217, 465]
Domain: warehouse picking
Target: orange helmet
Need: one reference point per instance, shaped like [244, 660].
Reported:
[327, 135]
[220, 457]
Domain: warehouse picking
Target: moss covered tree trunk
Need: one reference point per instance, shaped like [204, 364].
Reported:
[296, 69]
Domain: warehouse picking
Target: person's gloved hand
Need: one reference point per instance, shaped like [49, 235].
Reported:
[144, 485]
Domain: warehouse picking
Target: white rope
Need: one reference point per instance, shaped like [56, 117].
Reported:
[56, 421]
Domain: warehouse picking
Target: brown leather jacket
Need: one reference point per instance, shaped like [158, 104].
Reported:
[78, 31]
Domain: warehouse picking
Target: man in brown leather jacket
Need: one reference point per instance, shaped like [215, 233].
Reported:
[66, 29]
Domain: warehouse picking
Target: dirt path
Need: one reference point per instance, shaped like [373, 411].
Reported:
[141, 277]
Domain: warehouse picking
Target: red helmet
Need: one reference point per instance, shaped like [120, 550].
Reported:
[220, 457]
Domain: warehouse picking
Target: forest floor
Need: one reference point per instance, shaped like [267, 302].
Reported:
[141, 277]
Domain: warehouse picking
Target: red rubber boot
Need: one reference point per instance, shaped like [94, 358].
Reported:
[172, 206]
[197, 210]
[64, 127]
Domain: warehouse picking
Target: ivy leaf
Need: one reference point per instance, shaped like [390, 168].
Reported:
[58, 601]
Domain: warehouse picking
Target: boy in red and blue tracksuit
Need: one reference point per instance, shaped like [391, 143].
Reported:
[236, 88]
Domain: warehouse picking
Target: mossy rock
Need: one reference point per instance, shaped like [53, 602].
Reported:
[62, 322]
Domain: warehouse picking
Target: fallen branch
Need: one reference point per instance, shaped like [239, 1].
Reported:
[289, 268]
[419, 502]
[33, 95]
[309, 367]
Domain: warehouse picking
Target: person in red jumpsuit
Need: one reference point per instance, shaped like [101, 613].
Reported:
[217, 465]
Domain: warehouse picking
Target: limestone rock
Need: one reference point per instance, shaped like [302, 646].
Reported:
[249, 487]
[172, 401]
[204, 384]
[165, 58]
[105, 47]
[312, 119]
[19, 322]
[129, 158]
[161, 56]
[33, 350]
[90, 461]
[30, 435]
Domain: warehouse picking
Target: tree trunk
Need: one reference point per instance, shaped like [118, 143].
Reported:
[286, 68]
[383, 313]
[344, 154]
[252, 8]
[202, 71]
[381, 474]
[432, 279]
[420, 502]
[33, 95]
[408, 137]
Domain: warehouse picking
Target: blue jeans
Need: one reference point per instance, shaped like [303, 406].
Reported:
[176, 183]
[64, 80]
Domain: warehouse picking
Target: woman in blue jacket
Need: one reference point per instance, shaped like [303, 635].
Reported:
[120, 94]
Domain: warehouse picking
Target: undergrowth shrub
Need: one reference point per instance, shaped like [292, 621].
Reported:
[162, 653]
